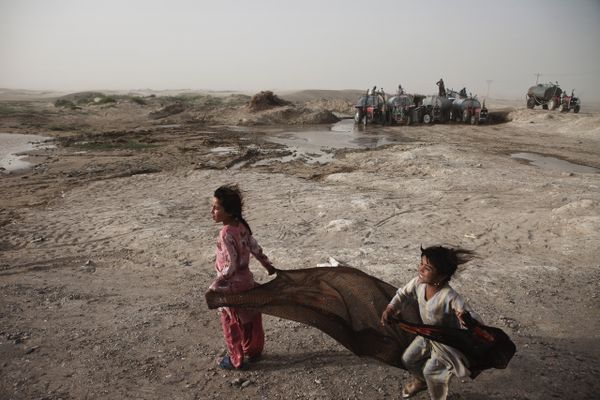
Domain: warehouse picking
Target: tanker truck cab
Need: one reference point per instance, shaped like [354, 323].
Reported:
[370, 108]
[483, 114]
[568, 103]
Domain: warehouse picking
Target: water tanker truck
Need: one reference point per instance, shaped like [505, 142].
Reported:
[435, 109]
[547, 95]
[469, 110]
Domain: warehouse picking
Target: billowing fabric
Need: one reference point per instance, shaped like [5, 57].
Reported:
[343, 302]
[347, 304]
[483, 346]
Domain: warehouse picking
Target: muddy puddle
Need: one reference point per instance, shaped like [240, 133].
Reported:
[318, 145]
[553, 163]
[12, 145]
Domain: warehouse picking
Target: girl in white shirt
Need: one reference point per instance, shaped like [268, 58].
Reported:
[431, 363]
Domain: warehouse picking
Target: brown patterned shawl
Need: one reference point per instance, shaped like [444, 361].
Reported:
[346, 304]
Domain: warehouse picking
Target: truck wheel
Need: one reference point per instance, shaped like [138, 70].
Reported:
[576, 109]
[551, 105]
[530, 103]
[427, 119]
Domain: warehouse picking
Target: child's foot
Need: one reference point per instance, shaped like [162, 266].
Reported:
[412, 388]
[226, 363]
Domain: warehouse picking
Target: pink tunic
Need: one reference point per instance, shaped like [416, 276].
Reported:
[234, 247]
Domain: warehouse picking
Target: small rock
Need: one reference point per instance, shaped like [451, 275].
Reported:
[89, 266]
[31, 349]
[238, 381]
[246, 384]
[339, 225]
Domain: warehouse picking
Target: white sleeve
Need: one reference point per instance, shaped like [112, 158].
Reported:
[408, 291]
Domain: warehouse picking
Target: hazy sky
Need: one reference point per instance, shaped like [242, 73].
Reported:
[256, 45]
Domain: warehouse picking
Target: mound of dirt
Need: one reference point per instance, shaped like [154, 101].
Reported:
[340, 106]
[290, 115]
[266, 100]
[307, 96]
[500, 116]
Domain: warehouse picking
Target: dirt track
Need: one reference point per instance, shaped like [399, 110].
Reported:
[107, 248]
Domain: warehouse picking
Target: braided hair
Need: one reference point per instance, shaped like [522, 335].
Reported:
[231, 199]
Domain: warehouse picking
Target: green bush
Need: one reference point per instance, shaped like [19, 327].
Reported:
[139, 100]
[64, 103]
[105, 100]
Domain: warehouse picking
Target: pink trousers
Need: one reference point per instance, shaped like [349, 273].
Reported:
[242, 338]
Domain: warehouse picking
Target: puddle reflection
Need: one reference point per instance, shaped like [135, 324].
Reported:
[553, 163]
[317, 145]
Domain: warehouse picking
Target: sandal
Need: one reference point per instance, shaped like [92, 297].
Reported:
[226, 363]
[412, 388]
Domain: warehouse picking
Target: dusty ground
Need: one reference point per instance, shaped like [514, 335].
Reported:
[106, 247]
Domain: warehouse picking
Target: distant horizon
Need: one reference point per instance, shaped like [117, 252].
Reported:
[181, 90]
[495, 50]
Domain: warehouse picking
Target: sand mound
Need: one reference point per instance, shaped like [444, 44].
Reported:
[583, 125]
[339, 106]
[266, 100]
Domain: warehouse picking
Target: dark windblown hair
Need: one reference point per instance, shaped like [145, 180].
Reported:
[231, 199]
[446, 259]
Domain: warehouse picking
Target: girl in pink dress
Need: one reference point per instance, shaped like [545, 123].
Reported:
[242, 329]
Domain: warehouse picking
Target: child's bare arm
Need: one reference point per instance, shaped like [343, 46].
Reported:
[388, 314]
